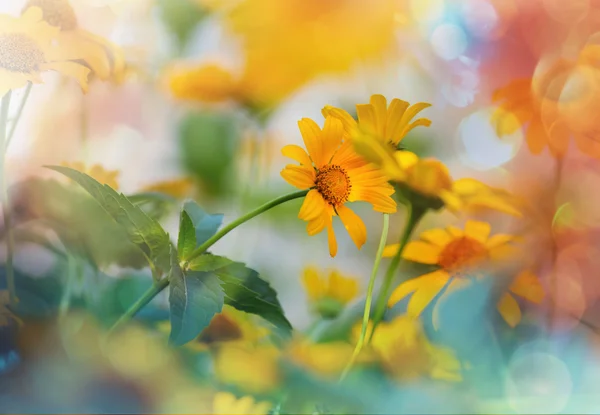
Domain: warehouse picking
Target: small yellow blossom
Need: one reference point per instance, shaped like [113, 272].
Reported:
[329, 293]
[226, 403]
[458, 253]
[336, 175]
[27, 50]
[206, 83]
[105, 59]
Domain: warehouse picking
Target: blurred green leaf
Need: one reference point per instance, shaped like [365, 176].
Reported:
[205, 224]
[195, 297]
[181, 18]
[82, 225]
[208, 142]
[141, 229]
[244, 289]
[186, 242]
[155, 204]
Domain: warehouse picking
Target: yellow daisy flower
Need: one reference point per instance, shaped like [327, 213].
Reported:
[27, 50]
[336, 175]
[329, 293]
[457, 253]
[108, 177]
[226, 403]
[406, 353]
[105, 59]
[389, 124]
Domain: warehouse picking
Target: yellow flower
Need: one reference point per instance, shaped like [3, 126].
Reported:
[226, 403]
[178, 188]
[406, 353]
[329, 293]
[457, 253]
[108, 177]
[252, 368]
[104, 58]
[336, 175]
[206, 83]
[27, 50]
[388, 124]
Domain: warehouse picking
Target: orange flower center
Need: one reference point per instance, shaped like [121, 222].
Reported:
[20, 53]
[58, 13]
[334, 184]
[461, 254]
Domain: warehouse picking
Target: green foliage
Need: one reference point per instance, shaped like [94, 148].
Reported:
[244, 289]
[208, 142]
[186, 242]
[81, 224]
[205, 225]
[155, 204]
[181, 18]
[195, 298]
[143, 231]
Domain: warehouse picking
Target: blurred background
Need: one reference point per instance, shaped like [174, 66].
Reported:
[208, 94]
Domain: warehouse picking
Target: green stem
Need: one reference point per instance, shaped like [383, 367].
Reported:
[10, 242]
[225, 230]
[152, 292]
[162, 284]
[65, 301]
[413, 217]
[13, 127]
[370, 288]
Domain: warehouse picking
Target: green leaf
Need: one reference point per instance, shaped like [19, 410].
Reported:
[187, 237]
[181, 18]
[205, 224]
[244, 289]
[81, 224]
[155, 204]
[141, 229]
[194, 299]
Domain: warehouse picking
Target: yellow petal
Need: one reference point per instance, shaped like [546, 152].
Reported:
[416, 284]
[406, 159]
[313, 284]
[331, 239]
[478, 230]
[354, 225]
[454, 231]
[311, 134]
[348, 122]
[391, 250]
[438, 237]
[499, 240]
[528, 286]
[379, 104]
[331, 137]
[313, 206]
[394, 120]
[73, 70]
[299, 176]
[509, 310]
[296, 153]
[366, 118]
[427, 292]
[422, 252]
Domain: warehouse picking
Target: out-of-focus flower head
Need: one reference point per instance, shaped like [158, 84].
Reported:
[458, 254]
[227, 403]
[178, 188]
[406, 354]
[27, 50]
[209, 83]
[105, 59]
[336, 174]
[108, 177]
[329, 293]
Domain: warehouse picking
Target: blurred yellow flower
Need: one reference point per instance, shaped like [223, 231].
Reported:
[108, 177]
[178, 188]
[226, 403]
[27, 50]
[105, 59]
[388, 124]
[205, 83]
[329, 293]
[406, 353]
[336, 175]
[458, 253]
[252, 368]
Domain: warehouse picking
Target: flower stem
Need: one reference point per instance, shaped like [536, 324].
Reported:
[162, 284]
[370, 288]
[224, 231]
[13, 127]
[413, 218]
[10, 243]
